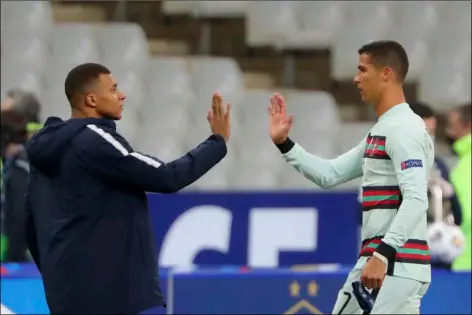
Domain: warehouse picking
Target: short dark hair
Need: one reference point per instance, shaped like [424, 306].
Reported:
[388, 53]
[81, 76]
[465, 114]
[422, 109]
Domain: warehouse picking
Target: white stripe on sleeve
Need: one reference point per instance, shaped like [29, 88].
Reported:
[146, 159]
[117, 145]
[109, 138]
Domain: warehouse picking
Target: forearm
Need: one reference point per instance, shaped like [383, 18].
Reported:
[323, 172]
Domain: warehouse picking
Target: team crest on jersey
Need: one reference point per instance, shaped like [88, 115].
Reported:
[411, 163]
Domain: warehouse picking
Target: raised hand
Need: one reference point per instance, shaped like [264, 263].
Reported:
[279, 122]
[219, 117]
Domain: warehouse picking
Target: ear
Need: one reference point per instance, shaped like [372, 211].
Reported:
[91, 100]
[387, 74]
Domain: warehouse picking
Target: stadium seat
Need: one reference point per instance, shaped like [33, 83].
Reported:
[455, 16]
[321, 21]
[29, 18]
[169, 78]
[17, 76]
[377, 20]
[351, 134]
[131, 83]
[220, 8]
[129, 123]
[270, 23]
[254, 174]
[162, 117]
[28, 52]
[80, 50]
[217, 74]
[414, 24]
[253, 111]
[313, 111]
[123, 45]
[444, 86]
[54, 103]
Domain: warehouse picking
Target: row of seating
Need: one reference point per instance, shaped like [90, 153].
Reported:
[437, 37]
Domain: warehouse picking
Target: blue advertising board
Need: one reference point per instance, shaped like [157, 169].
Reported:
[232, 290]
[256, 229]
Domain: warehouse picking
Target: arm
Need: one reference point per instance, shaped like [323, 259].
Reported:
[106, 155]
[409, 156]
[455, 205]
[324, 173]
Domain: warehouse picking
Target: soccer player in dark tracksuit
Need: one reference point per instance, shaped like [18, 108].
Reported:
[88, 225]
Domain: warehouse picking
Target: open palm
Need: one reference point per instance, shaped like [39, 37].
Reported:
[279, 122]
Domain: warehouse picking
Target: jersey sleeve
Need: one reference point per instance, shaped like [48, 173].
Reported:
[325, 173]
[409, 155]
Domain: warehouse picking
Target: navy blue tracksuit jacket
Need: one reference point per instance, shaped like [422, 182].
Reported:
[88, 223]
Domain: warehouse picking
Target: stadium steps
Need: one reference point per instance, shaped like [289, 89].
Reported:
[256, 80]
[163, 47]
[74, 12]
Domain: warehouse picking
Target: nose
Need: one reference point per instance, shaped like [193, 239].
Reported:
[356, 79]
[122, 96]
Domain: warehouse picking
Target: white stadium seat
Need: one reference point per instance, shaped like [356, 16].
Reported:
[169, 78]
[321, 22]
[123, 45]
[80, 50]
[270, 23]
[344, 58]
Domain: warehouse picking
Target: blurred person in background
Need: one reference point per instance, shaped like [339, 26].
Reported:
[15, 174]
[459, 135]
[26, 104]
[440, 171]
[442, 256]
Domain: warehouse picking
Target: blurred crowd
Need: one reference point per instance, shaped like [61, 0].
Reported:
[19, 120]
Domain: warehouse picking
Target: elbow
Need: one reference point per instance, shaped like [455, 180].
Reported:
[419, 199]
[169, 189]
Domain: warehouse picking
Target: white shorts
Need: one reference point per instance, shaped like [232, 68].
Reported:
[397, 296]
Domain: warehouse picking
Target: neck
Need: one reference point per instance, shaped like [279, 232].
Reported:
[80, 113]
[391, 97]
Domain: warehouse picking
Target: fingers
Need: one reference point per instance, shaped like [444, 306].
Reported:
[273, 106]
[282, 104]
[216, 106]
[371, 283]
[210, 115]
[228, 112]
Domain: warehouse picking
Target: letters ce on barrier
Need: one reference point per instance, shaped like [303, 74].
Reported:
[256, 229]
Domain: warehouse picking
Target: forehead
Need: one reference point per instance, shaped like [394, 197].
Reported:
[365, 60]
[454, 115]
[107, 79]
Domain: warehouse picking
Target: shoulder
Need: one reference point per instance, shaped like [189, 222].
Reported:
[96, 137]
[409, 129]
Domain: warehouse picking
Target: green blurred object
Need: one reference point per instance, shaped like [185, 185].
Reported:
[3, 247]
[33, 127]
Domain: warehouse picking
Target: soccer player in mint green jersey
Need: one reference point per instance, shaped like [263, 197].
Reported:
[393, 271]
